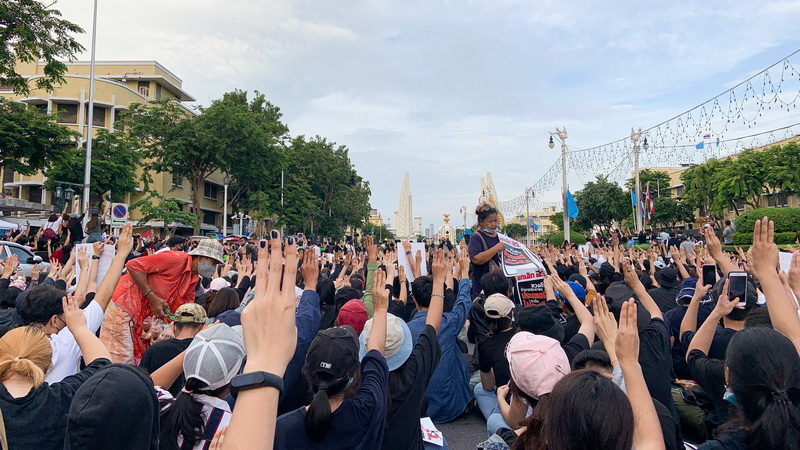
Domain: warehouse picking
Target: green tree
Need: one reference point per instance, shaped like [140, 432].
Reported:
[659, 182]
[115, 158]
[31, 31]
[29, 140]
[557, 219]
[377, 231]
[700, 187]
[669, 211]
[155, 207]
[515, 230]
[601, 203]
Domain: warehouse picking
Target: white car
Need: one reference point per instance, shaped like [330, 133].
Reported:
[26, 259]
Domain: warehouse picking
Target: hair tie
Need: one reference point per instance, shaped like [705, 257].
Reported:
[19, 357]
[183, 389]
[781, 396]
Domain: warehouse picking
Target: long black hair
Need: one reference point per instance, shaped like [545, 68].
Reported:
[323, 386]
[764, 376]
[185, 417]
[586, 410]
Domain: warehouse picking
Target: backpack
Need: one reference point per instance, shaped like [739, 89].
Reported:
[49, 234]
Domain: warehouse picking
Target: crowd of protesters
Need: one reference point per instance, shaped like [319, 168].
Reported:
[293, 343]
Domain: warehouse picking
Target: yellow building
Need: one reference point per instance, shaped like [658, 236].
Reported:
[542, 221]
[118, 84]
[375, 218]
[675, 190]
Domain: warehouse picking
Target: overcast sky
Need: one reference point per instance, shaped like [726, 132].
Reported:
[448, 90]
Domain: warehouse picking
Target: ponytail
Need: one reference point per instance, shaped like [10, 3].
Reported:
[184, 417]
[318, 416]
[25, 352]
[778, 427]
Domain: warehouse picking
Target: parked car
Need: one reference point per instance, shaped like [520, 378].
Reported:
[26, 259]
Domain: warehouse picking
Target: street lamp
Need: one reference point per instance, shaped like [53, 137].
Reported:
[241, 216]
[225, 208]
[562, 135]
[68, 193]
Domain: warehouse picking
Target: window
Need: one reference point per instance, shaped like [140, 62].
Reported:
[119, 125]
[67, 113]
[778, 199]
[210, 191]
[144, 88]
[40, 107]
[158, 92]
[739, 206]
[210, 218]
[35, 194]
[678, 191]
[5, 87]
[99, 117]
[177, 180]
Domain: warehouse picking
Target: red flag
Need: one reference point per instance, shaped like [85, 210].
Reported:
[649, 202]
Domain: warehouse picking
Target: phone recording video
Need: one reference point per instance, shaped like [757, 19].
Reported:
[737, 287]
[709, 274]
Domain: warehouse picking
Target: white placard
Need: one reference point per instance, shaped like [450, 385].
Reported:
[429, 432]
[402, 259]
[105, 260]
[786, 261]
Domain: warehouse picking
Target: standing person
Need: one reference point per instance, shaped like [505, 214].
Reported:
[166, 281]
[189, 320]
[727, 233]
[339, 418]
[174, 243]
[449, 393]
[484, 246]
[75, 228]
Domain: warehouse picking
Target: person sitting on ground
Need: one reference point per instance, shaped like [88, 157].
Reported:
[449, 392]
[189, 320]
[210, 363]
[35, 411]
[668, 289]
[492, 363]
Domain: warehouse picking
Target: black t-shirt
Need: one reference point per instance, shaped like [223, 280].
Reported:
[402, 427]
[664, 297]
[491, 356]
[576, 344]
[39, 419]
[571, 326]
[358, 423]
[655, 357]
[163, 352]
[719, 345]
[709, 373]
[731, 441]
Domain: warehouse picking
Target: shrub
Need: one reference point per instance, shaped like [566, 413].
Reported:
[557, 239]
[786, 237]
[787, 220]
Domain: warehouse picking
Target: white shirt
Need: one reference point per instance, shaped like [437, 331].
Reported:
[54, 225]
[66, 353]
[208, 404]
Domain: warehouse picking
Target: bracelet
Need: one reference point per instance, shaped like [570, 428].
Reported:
[148, 293]
[438, 295]
[615, 361]
[408, 252]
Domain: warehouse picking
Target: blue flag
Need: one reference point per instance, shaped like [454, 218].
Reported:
[633, 197]
[572, 207]
[700, 145]
[717, 141]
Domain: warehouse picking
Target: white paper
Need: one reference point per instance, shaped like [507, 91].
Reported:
[402, 259]
[429, 432]
[329, 257]
[786, 261]
[105, 260]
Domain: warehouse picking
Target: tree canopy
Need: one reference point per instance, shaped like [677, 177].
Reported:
[602, 202]
[32, 31]
[659, 182]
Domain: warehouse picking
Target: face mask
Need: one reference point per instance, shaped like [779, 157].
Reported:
[728, 397]
[486, 230]
[206, 269]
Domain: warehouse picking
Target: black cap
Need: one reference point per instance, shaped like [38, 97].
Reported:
[540, 320]
[619, 293]
[667, 277]
[578, 278]
[606, 270]
[334, 352]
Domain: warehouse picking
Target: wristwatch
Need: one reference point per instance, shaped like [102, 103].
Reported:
[95, 257]
[254, 380]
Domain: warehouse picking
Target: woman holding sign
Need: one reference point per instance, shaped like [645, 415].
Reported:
[484, 246]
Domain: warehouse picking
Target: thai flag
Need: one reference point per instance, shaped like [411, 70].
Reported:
[706, 136]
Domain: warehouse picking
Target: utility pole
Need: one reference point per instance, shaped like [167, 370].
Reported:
[562, 135]
[527, 217]
[635, 135]
[87, 170]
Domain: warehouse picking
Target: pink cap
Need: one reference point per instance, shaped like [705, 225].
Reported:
[536, 363]
[353, 313]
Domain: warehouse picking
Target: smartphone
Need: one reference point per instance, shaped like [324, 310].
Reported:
[709, 274]
[737, 287]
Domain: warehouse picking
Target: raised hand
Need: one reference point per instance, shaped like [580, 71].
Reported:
[764, 250]
[10, 266]
[73, 315]
[439, 267]
[310, 269]
[627, 345]
[380, 295]
[83, 258]
[372, 249]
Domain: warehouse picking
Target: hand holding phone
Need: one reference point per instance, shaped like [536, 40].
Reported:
[737, 287]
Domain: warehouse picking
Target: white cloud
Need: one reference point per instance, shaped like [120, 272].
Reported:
[446, 89]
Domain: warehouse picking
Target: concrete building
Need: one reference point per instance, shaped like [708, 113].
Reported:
[446, 231]
[118, 84]
[542, 221]
[489, 195]
[375, 218]
[417, 225]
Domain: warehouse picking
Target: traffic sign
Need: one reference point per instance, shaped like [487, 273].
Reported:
[119, 215]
